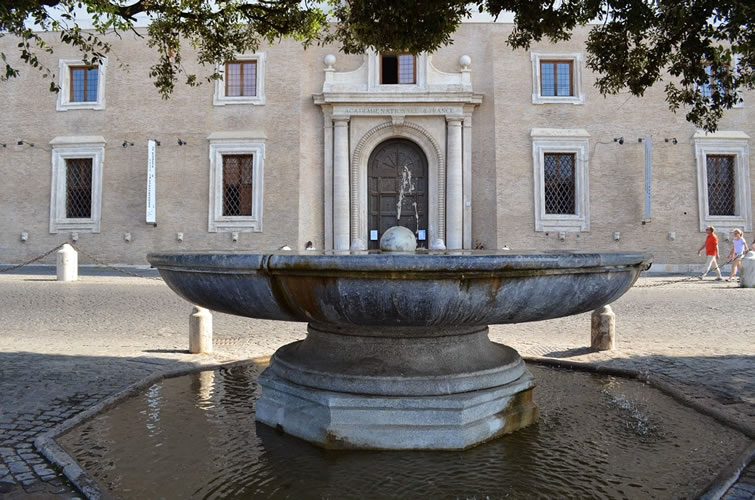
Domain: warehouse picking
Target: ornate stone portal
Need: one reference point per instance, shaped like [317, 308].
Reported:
[397, 353]
[361, 113]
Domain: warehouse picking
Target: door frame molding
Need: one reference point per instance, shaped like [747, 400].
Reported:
[436, 175]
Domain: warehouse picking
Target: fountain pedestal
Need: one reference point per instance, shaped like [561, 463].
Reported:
[396, 388]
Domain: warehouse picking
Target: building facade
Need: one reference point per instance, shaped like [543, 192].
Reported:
[475, 146]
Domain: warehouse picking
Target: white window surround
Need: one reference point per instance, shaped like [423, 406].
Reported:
[236, 143]
[576, 60]
[373, 75]
[64, 94]
[64, 148]
[553, 140]
[732, 143]
[220, 99]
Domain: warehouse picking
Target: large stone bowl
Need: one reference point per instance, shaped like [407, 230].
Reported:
[397, 353]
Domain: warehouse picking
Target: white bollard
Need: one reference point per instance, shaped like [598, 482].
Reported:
[67, 265]
[603, 332]
[200, 331]
[747, 272]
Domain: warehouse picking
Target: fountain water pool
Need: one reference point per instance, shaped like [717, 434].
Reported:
[397, 354]
[195, 436]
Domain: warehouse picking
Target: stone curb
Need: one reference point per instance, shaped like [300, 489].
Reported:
[729, 474]
[48, 447]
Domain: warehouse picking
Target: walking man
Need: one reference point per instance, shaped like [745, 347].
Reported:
[711, 252]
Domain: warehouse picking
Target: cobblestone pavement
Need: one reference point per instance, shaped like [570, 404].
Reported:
[65, 347]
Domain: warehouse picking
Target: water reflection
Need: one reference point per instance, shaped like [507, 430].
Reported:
[196, 437]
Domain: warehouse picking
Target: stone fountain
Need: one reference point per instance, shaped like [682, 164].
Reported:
[397, 354]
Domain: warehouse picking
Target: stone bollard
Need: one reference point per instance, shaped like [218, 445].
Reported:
[200, 331]
[747, 272]
[67, 265]
[603, 332]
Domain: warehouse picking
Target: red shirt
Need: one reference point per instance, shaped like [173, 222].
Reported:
[711, 243]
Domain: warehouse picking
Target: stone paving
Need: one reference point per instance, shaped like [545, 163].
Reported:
[66, 347]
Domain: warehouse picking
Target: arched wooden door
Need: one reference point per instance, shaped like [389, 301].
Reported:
[397, 190]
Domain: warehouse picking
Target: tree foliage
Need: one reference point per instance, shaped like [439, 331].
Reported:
[632, 44]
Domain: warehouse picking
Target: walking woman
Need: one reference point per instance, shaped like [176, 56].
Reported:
[738, 249]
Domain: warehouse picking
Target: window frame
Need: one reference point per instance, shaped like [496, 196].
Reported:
[220, 97]
[221, 145]
[65, 148]
[398, 68]
[555, 63]
[65, 94]
[712, 82]
[724, 143]
[575, 61]
[563, 141]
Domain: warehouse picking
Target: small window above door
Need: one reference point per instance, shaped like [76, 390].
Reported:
[398, 69]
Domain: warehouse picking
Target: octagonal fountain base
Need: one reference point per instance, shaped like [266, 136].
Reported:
[396, 388]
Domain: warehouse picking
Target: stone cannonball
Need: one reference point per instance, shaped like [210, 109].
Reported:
[398, 239]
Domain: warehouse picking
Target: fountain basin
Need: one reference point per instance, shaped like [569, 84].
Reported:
[397, 353]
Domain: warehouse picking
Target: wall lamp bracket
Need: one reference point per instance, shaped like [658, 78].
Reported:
[672, 140]
[127, 143]
[620, 140]
[181, 142]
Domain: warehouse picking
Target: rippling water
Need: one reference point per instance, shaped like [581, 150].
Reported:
[598, 437]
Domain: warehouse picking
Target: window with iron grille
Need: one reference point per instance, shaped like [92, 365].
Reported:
[721, 192]
[723, 180]
[237, 185]
[242, 81]
[560, 159]
[556, 78]
[236, 181]
[82, 85]
[78, 188]
[397, 69]
[559, 183]
[84, 80]
[241, 78]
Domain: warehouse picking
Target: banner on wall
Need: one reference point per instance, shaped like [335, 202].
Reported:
[151, 153]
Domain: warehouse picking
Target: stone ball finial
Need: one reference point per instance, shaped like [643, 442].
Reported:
[329, 60]
[398, 239]
[465, 61]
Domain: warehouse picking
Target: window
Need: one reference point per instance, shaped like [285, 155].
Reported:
[237, 185]
[236, 181]
[242, 81]
[560, 169]
[559, 183]
[84, 83]
[707, 89]
[82, 86]
[78, 188]
[557, 78]
[723, 179]
[397, 69]
[720, 176]
[76, 193]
